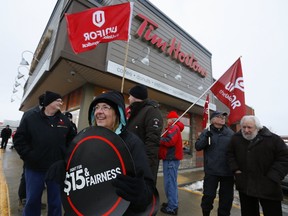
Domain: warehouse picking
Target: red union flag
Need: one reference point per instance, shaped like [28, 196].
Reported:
[205, 112]
[88, 28]
[229, 89]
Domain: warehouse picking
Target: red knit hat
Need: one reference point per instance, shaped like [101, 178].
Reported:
[172, 114]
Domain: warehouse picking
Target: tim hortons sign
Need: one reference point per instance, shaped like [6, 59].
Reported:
[172, 49]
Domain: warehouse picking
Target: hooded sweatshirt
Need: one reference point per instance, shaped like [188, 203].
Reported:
[134, 144]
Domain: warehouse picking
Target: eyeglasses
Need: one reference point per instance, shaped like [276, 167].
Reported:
[104, 108]
[59, 100]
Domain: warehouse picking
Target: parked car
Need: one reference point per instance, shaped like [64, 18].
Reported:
[284, 184]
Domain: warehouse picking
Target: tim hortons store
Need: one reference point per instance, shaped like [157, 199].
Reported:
[161, 55]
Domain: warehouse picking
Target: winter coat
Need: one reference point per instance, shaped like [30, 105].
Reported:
[263, 162]
[147, 123]
[140, 159]
[215, 160]
[171, 147]
[6, 133]
[135, 146]
[41, 140]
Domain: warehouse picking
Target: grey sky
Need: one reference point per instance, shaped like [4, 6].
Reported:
[256, 30]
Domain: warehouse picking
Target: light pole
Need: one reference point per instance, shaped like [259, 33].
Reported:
[21, 75]
[23, 61]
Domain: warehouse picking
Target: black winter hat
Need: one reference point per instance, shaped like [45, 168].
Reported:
[41, 99]
[139, 92]
[50, 97]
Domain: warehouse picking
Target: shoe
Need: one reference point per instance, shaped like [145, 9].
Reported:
[21, 204]
[169, 211]
[164, 204]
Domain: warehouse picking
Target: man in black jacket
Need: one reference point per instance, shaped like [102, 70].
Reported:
[5, 135]
[145, 120]
[259, 161]
[42, 139]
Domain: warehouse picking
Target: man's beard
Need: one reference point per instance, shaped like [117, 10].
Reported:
[250, 136]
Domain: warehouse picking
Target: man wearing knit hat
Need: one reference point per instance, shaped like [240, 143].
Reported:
[41, 140]
[171, 153]
[22, 185]
[145, 120]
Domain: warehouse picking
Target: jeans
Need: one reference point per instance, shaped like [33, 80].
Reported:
[35, 183]
[170, 172]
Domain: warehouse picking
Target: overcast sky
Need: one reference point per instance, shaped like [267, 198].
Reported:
[256, 30]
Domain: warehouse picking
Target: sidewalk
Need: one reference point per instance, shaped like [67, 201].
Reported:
[189, 202]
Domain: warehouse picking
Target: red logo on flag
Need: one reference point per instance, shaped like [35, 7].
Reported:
[229, 89]
[205, 112]
[88, 28]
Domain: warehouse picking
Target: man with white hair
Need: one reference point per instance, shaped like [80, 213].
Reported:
[259, 161]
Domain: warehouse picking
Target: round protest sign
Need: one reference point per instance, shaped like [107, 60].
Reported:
[97, 156]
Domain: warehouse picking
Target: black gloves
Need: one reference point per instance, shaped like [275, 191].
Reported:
[132, 189]
[208, 134]
[56, 172]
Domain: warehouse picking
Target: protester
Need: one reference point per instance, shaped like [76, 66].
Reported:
[108, 110]
[12, 136]
[214, 141]
[70, 117]
[259, 161]
[22, 185]
[5, 135]
[42, 139]
[145, 120]
[171, 153]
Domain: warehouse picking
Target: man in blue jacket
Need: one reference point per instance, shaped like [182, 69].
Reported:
[214, 141]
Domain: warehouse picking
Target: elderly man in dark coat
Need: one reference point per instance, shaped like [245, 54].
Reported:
[259, 160]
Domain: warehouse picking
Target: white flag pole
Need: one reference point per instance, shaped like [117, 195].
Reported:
[191, 106]
[197, 99]
[127, 48]
[208, 121]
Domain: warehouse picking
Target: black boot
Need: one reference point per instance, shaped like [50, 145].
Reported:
[205, 213]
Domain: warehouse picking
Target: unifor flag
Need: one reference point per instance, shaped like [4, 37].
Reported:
[88, 28]
[229, 89]
[205, 113]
